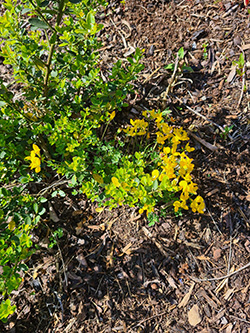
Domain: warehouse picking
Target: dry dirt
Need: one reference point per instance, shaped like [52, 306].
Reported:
[111, 272]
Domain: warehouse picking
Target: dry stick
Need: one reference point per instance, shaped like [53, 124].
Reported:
[203, 142]
[149, 318]
[202, 116]
[221, 277]
[214, 221]
[151, 75]
[243, 78]
[230, 255]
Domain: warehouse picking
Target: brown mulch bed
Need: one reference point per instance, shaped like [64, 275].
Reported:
[112, 273]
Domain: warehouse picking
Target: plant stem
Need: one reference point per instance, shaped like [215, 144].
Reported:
[52, 47]
[40, 14]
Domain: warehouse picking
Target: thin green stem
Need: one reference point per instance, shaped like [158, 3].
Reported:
[40, 14]
[61, 9]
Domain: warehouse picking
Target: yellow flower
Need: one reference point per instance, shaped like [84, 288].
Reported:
[180, 204]
[183, 185]
[35, 161]
[166, 150]
[147, 208]
[36, 164]
[176, 205]
[198, 205]
[160, 138]
[32, 156]
[155, 174]
[184, 196]
[165, 129]
[188, 148]
[180, 134]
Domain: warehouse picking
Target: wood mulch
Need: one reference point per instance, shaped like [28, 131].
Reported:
[110, 271]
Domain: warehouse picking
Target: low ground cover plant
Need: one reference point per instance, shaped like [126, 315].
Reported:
[63, 123]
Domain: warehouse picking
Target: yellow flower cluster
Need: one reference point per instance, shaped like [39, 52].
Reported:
[175, 165]
[35, 158]
[139, 127]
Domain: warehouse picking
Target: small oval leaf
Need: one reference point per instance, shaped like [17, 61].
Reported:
[38, 23]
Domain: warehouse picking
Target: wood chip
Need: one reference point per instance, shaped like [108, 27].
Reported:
[229, 328]
[232, 74]
[245, 47]
[229, 294]
[208, 299]
[194, 317]
[171, 282]
[186, 297]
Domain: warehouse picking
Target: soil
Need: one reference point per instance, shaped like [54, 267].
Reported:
[111, 272]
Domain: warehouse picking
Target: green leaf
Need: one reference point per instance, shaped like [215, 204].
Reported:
[61, 193]
[181, 53]
[53, 38]
[44, 3]
[155, 185]
[170, 67]
[75, 1]
[73, 180]
[90, 20]
[42, 211]
[6, 309]
[35, 207]
[35, 22]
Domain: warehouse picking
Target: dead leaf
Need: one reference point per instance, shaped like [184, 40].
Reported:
[194, 317]
[186, 297]
[52, 213]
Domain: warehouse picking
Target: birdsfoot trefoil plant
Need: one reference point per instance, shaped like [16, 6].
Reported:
[63, 122]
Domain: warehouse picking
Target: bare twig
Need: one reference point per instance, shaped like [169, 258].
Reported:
[221, 277]
[172, 80]
[243, 78]
[203, 142]
[214, 221]
[149, 318]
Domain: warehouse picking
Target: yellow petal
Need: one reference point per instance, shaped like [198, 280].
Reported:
[111, 116]
[36, 149]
